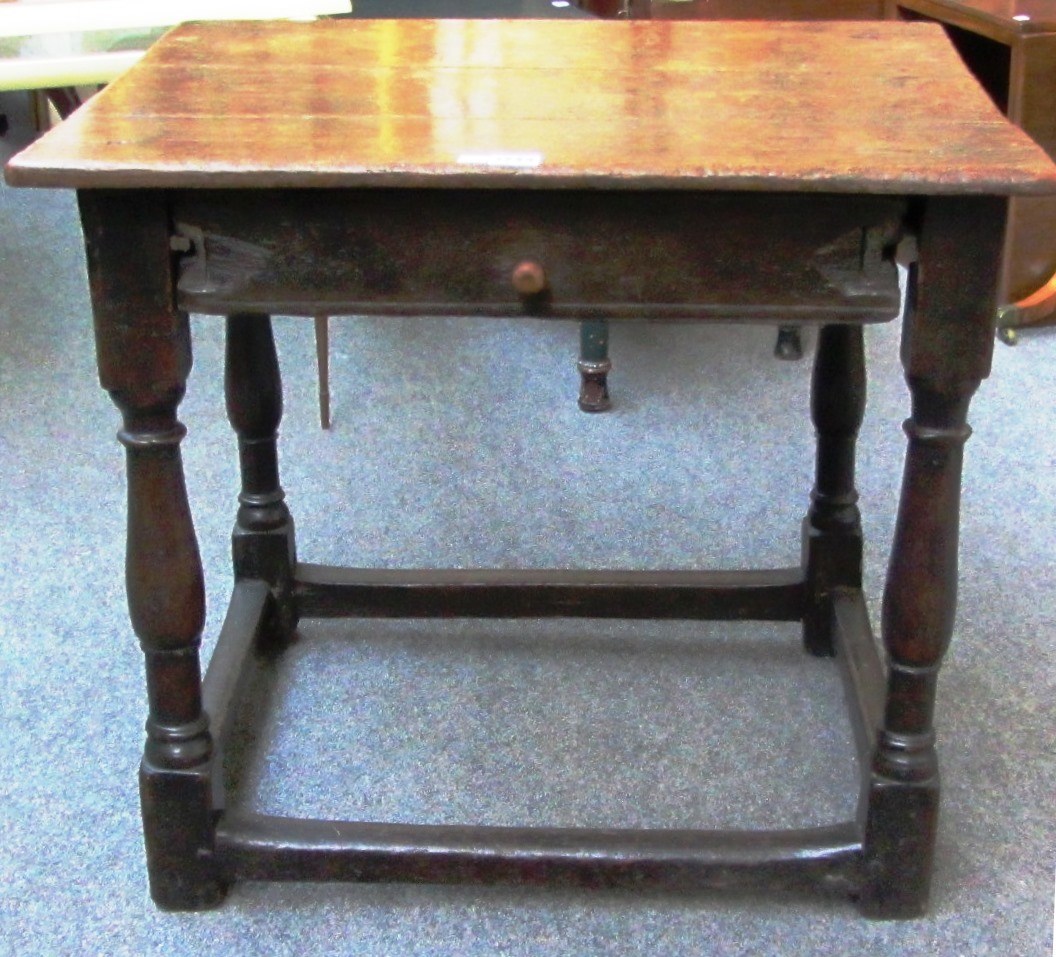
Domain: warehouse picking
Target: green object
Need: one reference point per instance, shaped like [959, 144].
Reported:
[594, 340]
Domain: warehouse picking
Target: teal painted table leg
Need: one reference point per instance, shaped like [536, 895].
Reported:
[594, 366]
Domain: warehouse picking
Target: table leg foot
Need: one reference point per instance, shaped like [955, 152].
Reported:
[178, 827]
[901, 811]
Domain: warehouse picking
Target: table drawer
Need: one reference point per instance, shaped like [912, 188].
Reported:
[560, 254]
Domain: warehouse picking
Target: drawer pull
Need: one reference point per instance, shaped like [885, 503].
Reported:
[528, 279]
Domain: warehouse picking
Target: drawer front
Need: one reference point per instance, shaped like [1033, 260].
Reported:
[574, 255]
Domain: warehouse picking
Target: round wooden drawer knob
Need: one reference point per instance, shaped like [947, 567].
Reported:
[529, 279]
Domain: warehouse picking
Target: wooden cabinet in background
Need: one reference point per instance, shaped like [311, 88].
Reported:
[765, 9]
[736, 9]
[1010, 46]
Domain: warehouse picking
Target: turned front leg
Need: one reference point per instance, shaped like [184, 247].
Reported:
[263, 537]
[832, 532]
[166, 600]
[143, 351]
[947, 346]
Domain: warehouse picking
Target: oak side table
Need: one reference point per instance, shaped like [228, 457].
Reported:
[642, 170]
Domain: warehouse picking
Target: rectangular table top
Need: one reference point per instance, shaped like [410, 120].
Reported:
[881, 107]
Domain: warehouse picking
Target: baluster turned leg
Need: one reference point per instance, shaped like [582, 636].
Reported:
[947, 346]
[143, 351]
[167, 605]
[594, 365]
[263, 537]
[832, 532]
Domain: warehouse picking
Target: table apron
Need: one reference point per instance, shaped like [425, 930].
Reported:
[562, 254]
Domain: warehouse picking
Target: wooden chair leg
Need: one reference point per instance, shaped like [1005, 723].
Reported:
[594, 366]
[789, 343]
[322, 359]
[65, 99]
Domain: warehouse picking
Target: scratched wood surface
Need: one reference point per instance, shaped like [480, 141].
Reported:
[878, 107]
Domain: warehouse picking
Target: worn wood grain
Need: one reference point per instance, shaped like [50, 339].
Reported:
[881, 107]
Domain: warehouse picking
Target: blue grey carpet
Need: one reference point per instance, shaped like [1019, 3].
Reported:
[458, 443]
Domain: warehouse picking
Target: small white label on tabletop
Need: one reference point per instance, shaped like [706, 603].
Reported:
[503, 160]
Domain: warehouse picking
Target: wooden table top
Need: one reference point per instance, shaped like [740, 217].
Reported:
[882, 107]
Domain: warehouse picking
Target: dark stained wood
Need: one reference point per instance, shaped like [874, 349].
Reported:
[832, 530]
[259, 847]
[143, 351]
[700, 107]
[879, 108]
[611, 8]
[603, 255]
[263, 538]
[756, 595]
[860, 668]
[946, 352]
[244, 630]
